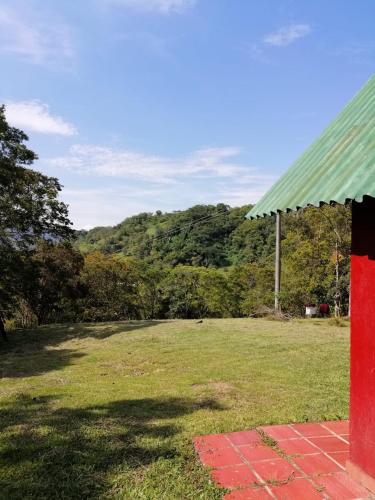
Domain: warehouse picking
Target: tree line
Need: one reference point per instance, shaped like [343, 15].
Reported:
[207, 261]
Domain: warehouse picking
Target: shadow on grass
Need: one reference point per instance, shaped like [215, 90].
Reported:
[35, 351]
[86, 452]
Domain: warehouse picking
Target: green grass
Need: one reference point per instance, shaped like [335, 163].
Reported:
[110, 410]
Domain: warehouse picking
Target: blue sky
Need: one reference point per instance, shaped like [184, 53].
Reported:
[140, 105]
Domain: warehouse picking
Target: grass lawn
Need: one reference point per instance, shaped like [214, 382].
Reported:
[109, 410]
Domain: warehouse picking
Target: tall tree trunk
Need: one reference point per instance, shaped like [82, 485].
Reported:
[3, 333]
[337, 280]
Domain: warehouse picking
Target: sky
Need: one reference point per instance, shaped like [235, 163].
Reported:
[145, 105]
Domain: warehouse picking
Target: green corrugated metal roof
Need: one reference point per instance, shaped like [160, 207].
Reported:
[339, 166]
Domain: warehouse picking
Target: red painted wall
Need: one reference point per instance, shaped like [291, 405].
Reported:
[362, 350]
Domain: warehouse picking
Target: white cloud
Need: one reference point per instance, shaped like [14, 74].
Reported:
[100, 206]
[36, 117]
[104, 206]
[257, 53]
[107, 162]
[287, 35]
[32, 39]
[355, 52]
[121, 183]
[244, 196]
[159, 6]
[245, 189]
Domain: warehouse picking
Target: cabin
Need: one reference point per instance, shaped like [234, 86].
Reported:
[339, 168]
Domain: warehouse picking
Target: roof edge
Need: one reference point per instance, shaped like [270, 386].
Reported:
[346, 201]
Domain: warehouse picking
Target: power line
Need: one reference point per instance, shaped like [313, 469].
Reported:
[188, 225]
[171, 231]
[181, 211]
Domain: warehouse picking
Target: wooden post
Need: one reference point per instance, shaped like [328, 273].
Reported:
[278, 262]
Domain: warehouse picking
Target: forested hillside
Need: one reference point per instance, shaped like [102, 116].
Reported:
[204, 235]
[210, 260]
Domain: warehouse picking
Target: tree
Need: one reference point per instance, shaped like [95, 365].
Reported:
[111, 284]
[196, 292]
[252, 240]
[182, 294]
[149, 293]
[57, 267]
[29, 211]
[252, 288]
[316, 257]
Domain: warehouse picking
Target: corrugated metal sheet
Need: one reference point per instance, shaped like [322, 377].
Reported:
[339, 166]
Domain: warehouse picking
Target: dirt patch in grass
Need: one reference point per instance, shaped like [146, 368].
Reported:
[220, 388]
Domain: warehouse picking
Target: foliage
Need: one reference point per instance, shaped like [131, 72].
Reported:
[191, 292]
[252, 240]
[235, 275]
[310, 256]
[60, 285]
[252, 286]
[29, 211]
[57, 267]
[111, 286]
[199, 236]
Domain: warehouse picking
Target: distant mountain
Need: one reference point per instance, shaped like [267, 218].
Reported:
[204, 235]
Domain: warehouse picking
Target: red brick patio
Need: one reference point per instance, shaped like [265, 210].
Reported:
[289, 462]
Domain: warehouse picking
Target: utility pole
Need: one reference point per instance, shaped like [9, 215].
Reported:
[278, 263]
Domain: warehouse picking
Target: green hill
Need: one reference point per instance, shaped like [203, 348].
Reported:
[204, 235]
